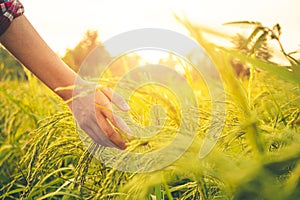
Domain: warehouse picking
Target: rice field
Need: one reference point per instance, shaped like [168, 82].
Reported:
[257, 155]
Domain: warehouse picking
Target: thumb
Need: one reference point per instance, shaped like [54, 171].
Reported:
[120, 102]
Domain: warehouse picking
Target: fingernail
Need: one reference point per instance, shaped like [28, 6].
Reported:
[124, 146]
[122, 124]
[125, 106]
[125, 127]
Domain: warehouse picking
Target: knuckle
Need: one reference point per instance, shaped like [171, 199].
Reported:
[109, 132]
[109, 115]
[104, 105]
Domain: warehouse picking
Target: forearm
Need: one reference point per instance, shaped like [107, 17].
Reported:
[28, 47]
[22, 40]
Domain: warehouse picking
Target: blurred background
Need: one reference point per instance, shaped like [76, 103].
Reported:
[64, 23]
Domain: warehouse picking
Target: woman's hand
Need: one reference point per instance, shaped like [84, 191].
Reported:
[91, 106]
[92, 110]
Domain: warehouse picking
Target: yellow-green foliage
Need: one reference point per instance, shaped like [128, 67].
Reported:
[256, 157]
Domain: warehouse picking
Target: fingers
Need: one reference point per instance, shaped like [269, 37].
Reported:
[106, 110]
[121, 124]
[92, 131]
[118, 100]
[103, 101]
[99, 122]
[109, 131]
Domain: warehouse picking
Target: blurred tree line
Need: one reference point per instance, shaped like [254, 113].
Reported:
[11, 69]
[90, 46]
[75, 57]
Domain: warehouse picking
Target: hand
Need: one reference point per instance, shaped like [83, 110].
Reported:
[92, 109]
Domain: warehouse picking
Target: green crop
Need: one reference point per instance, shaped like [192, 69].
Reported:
[256, 157]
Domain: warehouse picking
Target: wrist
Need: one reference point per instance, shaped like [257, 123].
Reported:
[68, 91]
[65, 88]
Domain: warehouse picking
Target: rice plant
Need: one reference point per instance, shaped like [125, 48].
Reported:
[256, 157]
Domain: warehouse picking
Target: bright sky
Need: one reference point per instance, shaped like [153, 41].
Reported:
[63, 22]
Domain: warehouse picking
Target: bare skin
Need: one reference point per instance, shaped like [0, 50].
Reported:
[23, 41]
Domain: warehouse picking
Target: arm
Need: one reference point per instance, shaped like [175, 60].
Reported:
[26, 45]
[22, 40]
